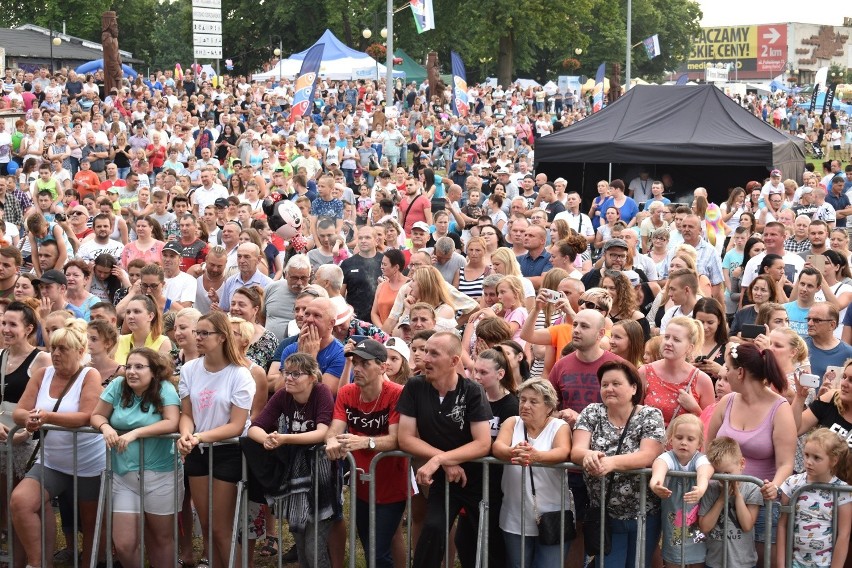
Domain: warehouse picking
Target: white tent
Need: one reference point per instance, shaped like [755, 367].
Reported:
[339, 62]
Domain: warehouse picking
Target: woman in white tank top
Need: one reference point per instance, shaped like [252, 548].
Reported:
[63, 394]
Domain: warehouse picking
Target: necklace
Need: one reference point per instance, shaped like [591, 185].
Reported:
[375, 403]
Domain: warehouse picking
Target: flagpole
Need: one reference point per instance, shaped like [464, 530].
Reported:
[629, 42]
[389, 58]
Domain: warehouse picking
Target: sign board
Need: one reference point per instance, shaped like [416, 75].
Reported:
[207, 40]
[716, 75]
[207, 52]
[206, 14]
[207, 4]
[755, 51]
[206, 27]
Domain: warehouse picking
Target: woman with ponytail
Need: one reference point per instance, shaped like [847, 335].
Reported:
[753, 414]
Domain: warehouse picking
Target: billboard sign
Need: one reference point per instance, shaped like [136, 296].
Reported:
[754, 51]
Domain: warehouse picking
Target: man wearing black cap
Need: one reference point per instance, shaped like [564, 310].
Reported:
[367, 409]
[180, 287]
[52, 286]
[614, 257]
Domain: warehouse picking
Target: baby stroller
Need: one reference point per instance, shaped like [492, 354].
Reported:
[814, 150]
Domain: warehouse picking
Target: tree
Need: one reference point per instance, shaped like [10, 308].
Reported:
[82, 18]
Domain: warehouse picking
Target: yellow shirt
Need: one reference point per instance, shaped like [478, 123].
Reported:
[125, 346]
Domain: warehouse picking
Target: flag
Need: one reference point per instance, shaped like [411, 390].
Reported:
[460, 104]
[829, 97]
[682, 80]
[814, 98]
[424, 15]
[306, 82]
[597, 98]
[652, 46]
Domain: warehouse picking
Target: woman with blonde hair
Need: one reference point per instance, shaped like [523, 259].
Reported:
[627, 340]
[243, 334]
[673, 384]
[247, 303]
[559, 230]
[478, 266]
[427, 285]
[504, 262]
[144, 320]
[546, 318]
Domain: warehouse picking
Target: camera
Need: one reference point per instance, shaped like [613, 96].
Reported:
[60, 217]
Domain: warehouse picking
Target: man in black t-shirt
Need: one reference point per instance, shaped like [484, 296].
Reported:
[444, 418]
[361, 273]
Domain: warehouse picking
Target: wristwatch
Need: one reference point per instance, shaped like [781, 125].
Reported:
[371, 443]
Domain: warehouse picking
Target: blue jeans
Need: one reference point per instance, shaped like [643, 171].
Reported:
[536, 555]
[388, 517]
[624, 540]
[349, 175]
[122, 173]
[760, 522]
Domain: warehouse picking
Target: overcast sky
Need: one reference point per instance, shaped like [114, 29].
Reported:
[737, 12]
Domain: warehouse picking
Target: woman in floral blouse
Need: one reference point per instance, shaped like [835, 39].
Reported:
[247, 303]
[595, 446]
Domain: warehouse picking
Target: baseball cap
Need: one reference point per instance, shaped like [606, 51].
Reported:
[221, 203]
[807, 189]
[404, 322]
[52, 277]
[113, 189]
[420, 225]
[613, 243]
[502, 171]
[775, 173]
[370, 349]
[398, 345]
[633, 276]
[172, 246]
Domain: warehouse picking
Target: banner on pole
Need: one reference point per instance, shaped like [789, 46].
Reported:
[306, 82]
[424, 15]
[460, 104]
[829, 97]
[598, 93]
[652, 46]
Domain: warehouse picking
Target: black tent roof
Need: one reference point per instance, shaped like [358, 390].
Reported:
[679, 125]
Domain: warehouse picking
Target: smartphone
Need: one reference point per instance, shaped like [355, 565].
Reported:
[701, 358]
[838, 375]
[750, 331]
[817, 261]
[552, 296]
[809, 380]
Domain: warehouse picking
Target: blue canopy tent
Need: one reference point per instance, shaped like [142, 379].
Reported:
[339, 62]
[98, 64]
[836, 104]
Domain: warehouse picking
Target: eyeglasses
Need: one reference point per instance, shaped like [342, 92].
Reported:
[617, 255]
[293, 374]
[588, 304]
[299, 278]
[144, 286]
[817, 320]
[136, 367]
[205, 334]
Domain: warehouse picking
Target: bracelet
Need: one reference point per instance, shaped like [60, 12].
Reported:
[198, 436]
[101, 427]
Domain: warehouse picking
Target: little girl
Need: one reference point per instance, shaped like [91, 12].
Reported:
[681, 495]
[826, 454]
[510, 293]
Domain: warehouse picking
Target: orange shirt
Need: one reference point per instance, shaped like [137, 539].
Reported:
[87, 177]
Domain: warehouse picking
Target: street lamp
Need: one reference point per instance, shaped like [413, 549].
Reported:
[367, 34]
[578, 52]
[54, 41]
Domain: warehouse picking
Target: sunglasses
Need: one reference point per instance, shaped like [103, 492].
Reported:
[590, 305]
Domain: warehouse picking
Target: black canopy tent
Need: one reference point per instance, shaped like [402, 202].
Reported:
[696, 134]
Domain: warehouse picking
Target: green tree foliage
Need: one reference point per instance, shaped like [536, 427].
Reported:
[82, 17]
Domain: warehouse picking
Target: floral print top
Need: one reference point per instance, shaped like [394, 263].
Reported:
[261, 351]
[622, 490]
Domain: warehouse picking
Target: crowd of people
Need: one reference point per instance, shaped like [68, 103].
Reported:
[439, 297]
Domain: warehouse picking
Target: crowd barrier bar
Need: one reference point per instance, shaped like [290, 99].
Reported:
[790, 509]
[484, 527]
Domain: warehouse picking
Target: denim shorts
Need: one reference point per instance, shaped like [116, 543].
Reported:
[760, 522]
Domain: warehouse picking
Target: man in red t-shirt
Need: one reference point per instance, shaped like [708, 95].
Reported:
[367, 408]
[414, 206]
[112, 179]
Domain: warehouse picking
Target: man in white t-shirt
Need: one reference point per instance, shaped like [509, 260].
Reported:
[773, 238]
[576, 219]
[208, 192]
[5, 147]
[99, 243]
[180, 287]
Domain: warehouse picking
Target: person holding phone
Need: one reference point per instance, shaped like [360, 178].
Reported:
[760, 291]
[835, 287]
[711, 354]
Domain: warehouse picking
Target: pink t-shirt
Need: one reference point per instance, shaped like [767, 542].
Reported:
[518, 316]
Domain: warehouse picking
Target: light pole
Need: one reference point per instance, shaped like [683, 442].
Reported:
[277, 53]
[54, 41]
[389, 56]
[367, 33]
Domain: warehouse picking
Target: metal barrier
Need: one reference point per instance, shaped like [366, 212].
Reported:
[790, 509]
[356, 476]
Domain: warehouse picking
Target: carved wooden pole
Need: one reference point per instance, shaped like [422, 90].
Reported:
[112, 58]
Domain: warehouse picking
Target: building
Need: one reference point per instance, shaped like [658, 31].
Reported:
[28, 47]
[762, 52]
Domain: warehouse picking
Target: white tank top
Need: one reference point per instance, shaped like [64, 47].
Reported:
[91, 451]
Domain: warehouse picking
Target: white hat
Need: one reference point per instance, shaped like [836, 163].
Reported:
[398, 345]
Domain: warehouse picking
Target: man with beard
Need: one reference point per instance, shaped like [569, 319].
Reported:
[360, 274]
[100, 243]
[211, 279]
[614, 257]
[414, 207]
[281, 295]
[10, 263]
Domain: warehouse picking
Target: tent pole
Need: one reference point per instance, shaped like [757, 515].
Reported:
[610, 172]
[629, 40]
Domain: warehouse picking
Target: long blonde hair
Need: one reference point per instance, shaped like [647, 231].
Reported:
[509, 260]
[431, 287]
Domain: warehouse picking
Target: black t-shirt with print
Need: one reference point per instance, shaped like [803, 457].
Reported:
[829, 417]
[445, 424]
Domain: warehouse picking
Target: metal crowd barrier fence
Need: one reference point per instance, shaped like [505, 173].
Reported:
[483, 530]
[104, 520]
[790, 509]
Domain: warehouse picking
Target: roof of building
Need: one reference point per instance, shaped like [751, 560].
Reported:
[34, 41]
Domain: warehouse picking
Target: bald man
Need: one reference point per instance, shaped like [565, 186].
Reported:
[315, 339]
[248, 258]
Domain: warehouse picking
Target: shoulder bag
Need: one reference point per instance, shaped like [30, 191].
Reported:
[73, 380]
[549, 532]
[592, 528]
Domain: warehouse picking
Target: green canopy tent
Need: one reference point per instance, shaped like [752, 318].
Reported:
[413, 70]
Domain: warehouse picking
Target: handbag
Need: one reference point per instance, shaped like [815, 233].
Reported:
[32, 459]
[592, 521]
[549, 532]
[6, 408]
